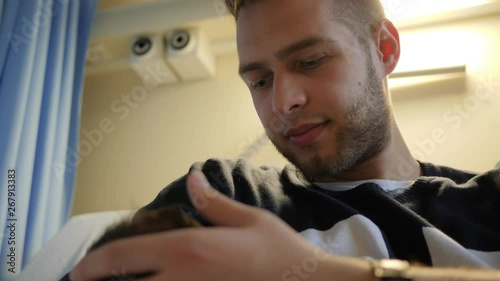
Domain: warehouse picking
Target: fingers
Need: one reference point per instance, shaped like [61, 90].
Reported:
[172, 253]
[215, 206]
[118, 258]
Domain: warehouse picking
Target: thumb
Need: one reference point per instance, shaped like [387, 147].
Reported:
[216, 207]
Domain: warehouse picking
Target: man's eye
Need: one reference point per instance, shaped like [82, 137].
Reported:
[310, 64]
[260, 84]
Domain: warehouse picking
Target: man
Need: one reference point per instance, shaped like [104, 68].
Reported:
[317, 71]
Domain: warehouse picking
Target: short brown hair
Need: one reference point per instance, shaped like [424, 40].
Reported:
[359, 15]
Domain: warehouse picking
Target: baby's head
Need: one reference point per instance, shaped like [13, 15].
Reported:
[143, 222]
[146, 222]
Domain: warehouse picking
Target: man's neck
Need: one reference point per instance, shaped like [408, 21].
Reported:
[395, 162]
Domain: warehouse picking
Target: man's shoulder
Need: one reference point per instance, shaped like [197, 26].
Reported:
[260, 186]
[457, 175]
[236, 163]
[241, 166]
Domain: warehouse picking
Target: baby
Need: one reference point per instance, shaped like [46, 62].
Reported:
[143, 222]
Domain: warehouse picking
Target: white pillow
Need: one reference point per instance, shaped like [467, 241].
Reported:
[69, 245]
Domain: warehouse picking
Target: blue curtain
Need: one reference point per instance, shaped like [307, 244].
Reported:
[42, 58]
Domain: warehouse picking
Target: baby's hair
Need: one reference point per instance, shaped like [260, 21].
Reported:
[147, 222]
[143, 222]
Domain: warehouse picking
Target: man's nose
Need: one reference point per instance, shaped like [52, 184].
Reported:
[289, 96]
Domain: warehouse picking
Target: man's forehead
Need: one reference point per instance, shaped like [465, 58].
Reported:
[332, 7]
[283, 16]
[263, 31]
[275, 40]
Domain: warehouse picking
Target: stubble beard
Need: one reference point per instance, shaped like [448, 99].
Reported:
[365, 134]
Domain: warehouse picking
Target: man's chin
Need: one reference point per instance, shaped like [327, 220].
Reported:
[306, 159]
[312, 166]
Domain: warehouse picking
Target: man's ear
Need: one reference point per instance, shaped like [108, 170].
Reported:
[388, 46]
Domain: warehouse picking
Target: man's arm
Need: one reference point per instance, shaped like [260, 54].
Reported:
[454, 274]
[359, 270]
[245, 244]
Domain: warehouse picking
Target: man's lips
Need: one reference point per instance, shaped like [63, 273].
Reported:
[305, 134]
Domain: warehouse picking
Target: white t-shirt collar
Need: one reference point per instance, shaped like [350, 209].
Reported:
[387, 185]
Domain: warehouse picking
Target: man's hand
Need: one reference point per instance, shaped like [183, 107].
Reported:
[246, 243]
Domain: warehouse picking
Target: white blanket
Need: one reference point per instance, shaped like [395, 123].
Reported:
[69, 245]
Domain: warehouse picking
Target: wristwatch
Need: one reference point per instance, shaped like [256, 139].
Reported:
[390, 270]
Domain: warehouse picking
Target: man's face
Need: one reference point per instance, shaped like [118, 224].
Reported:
[313, 85]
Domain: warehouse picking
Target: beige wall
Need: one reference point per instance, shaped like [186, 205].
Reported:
[466, 124]
[172, 127]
